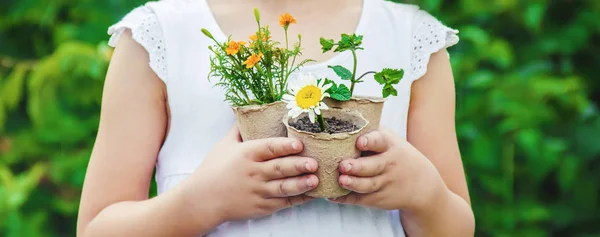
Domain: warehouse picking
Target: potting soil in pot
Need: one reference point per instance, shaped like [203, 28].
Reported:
[334, 125]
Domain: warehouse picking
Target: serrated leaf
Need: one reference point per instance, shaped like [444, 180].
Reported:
[357, 40]
[342, 72]
[389, 76]
[344, 44]
[326, 44]
[379, 78]
[342, 93]
[349, 42]
[389, 90]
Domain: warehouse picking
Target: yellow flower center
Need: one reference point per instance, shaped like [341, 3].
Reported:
[308, 96]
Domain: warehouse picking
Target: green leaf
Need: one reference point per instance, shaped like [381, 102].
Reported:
[333, 87]
[12, 89]
[349, 42]
[344, 44]
[389, 90]
[389, 76]
[326, 44]
[342, 72]
[342, 93]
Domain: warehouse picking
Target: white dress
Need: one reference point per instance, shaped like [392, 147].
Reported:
[395, 35]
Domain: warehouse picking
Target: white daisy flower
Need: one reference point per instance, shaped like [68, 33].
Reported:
[306, 95]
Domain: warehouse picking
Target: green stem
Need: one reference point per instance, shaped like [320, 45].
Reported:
[285, 68]
[241, 69]
[286, 38]
[364, 74]
[353, 81]
[321, 122]
[260, 72]
[290, 70]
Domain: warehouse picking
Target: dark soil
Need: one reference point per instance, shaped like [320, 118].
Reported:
[334, 125]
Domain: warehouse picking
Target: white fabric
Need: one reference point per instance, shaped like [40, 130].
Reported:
[395, 35]
[146, 30]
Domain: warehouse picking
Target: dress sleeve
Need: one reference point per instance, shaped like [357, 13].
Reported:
[145, 30]
[429, 36]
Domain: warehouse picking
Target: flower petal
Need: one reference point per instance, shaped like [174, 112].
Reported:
[317, 111]
[288, 97]
[325, 95]
[326, 87]
[294, 113]
[312, 79]
[323, 106]
[311, 116]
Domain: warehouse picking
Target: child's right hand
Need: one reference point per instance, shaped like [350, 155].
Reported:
[252, 179]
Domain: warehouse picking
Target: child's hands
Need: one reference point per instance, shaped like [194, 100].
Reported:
[251, 179]
[397, 176]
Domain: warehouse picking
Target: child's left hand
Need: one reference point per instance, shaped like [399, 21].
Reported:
[396, 176]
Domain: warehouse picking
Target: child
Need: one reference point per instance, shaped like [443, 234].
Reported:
[159, 110]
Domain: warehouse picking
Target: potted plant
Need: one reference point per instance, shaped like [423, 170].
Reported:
[342, 96]
[328, 135]
[254, 76]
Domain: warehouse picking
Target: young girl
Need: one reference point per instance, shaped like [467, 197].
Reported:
[159, 110]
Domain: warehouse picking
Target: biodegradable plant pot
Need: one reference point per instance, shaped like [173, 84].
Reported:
[370, 107]
[261, 121]
[329, 150]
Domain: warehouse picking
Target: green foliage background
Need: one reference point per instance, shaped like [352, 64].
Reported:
[527, 115]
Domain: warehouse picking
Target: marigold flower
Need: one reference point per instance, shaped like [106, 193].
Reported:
[234, 47]
[286, 19]
[252, 60]
[254, 38]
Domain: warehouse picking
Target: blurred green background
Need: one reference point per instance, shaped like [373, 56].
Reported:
[527, 115]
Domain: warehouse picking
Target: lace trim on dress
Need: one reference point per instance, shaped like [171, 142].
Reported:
[429, 36]
[145, 29]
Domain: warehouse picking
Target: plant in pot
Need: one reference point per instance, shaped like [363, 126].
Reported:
[255, 76]
[328, 135]
[342, 96]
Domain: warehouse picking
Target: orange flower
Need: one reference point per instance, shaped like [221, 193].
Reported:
[253, 59]
[254, 38]
[234, 47]
[286, 19]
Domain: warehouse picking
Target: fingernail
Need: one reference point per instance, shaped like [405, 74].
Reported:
[309, 182]
[348, 181]
[364, 141]
[307, 166]
[295, 145]
[347, 166]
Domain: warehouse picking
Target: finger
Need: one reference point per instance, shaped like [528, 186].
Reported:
[361, 184]
[285, 202]
[290, 186]
[269, 148]
[233, 134]
[374, 141]
[364, 167]
[289, 166]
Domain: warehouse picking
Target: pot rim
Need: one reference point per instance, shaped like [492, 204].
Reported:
[327, 136]
[254, 108]
[373, 99]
